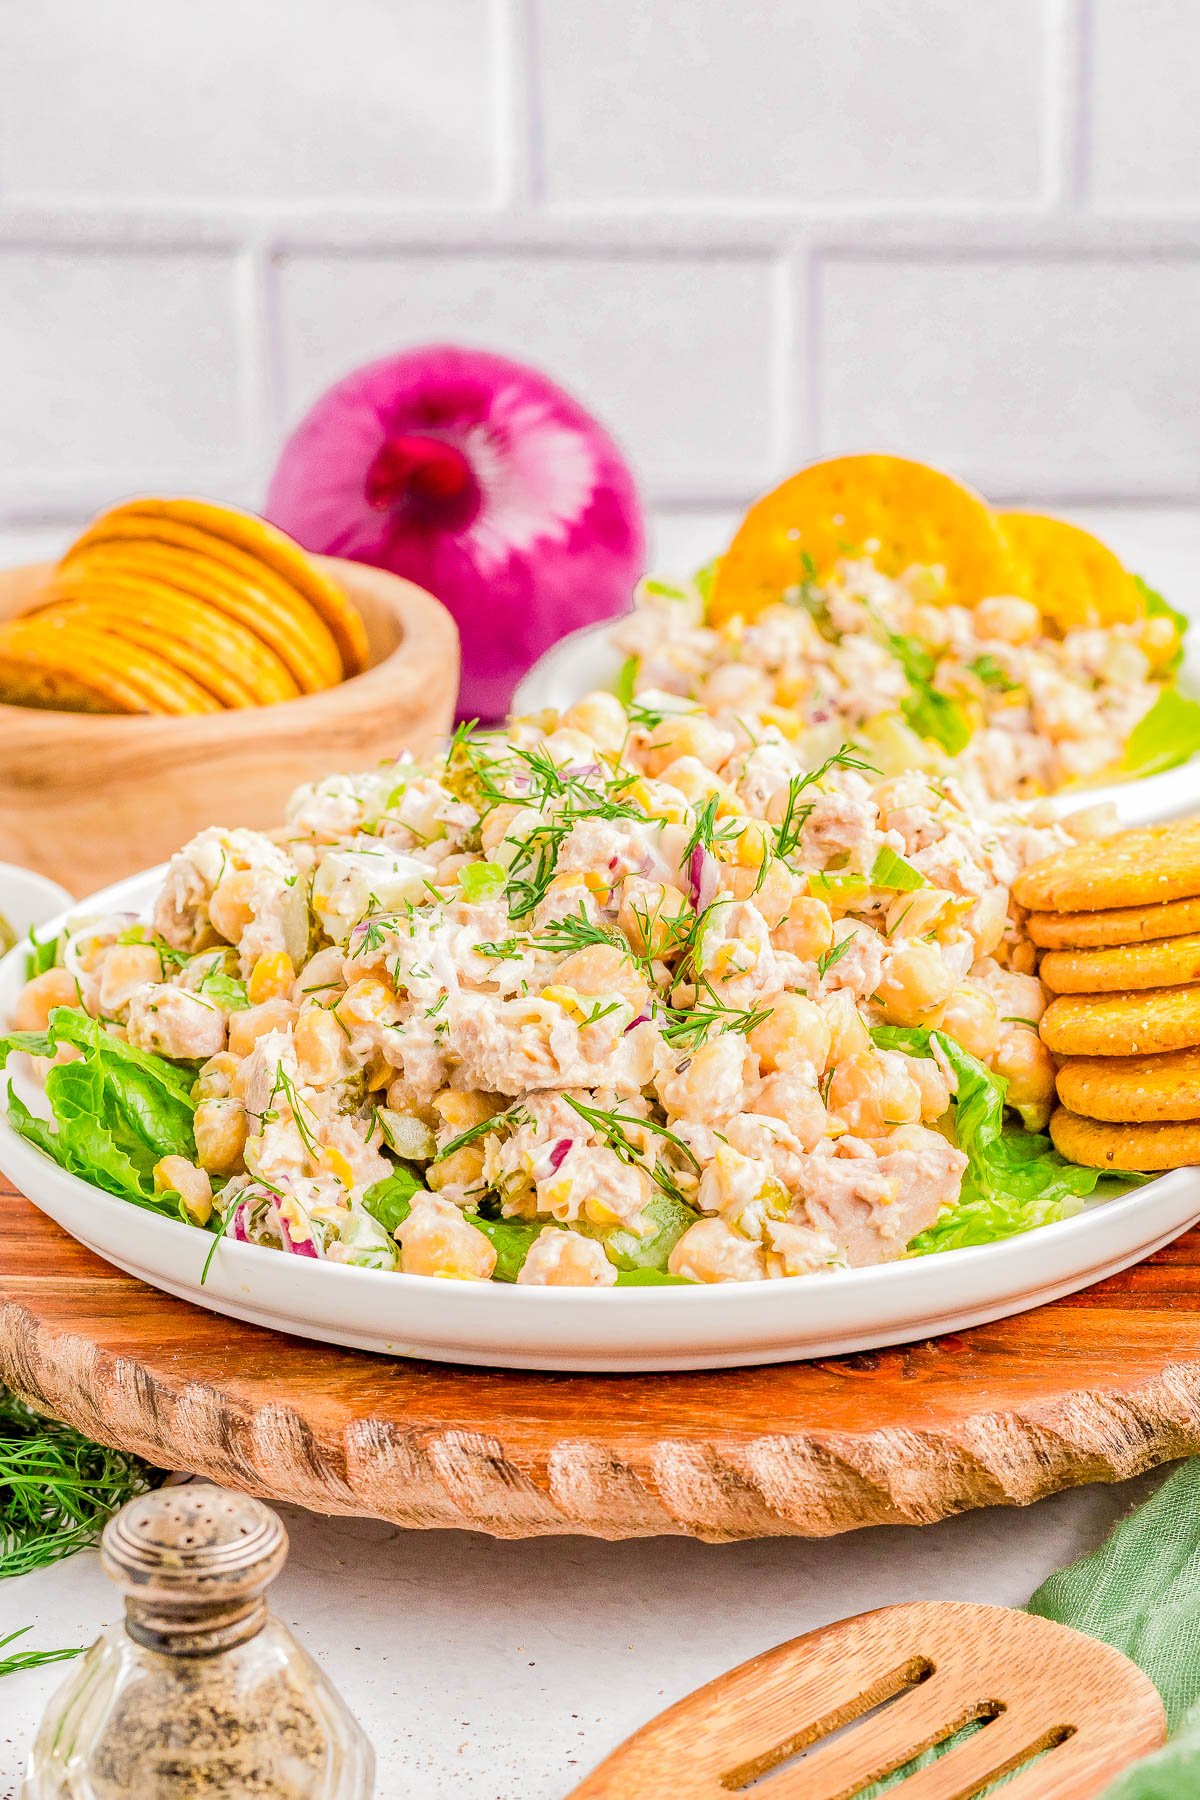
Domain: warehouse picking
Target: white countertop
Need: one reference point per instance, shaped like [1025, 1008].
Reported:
[506, 1670]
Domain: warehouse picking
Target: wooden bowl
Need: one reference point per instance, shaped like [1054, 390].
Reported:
[87, 798]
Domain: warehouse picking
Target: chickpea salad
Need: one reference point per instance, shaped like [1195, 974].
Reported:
[638, 994]
[999, 693]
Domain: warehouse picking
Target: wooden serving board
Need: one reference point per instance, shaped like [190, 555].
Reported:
[1093, 1388]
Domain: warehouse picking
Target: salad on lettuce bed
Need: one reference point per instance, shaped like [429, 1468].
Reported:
[638, 994]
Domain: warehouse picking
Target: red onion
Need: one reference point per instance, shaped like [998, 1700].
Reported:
[703, 879]
[239, 1232]
[559, 1152]
[482, 481]
[297, 1246]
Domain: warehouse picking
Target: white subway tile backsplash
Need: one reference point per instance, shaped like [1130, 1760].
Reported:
[1144, 108]
[116, 360]
[672, 352]
[280, 100]
[853, 101]
[1049, 375]
[743, 231]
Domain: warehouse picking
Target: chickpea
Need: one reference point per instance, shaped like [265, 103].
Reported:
[970, 1017]
[806, 930]
[915, 983]
[320, 975]
[1018, 997]
[932, 1083]
[710, 1251]
[848, 1034]
[246, 1027]
[710, 1083]
[190, 1183]
[1159, 639]
[684, 735]
[229, 909]
[402, 1097]
[601, 718]
[871, 1093]
[795, 1032]
[125, 967]
[322, 1053]
[463, 1168]
[696, 782]
[495, 826]
[1028, 1067]
[39, 997]
[797, 1104]
[654, 915]
[738, 688]
[603, 969]
[220, 1127]
[435, 1239]
[565, 1259]
[987, 920]
[1006, 617]
[460, 1108]
[771, 892]
[214, 1081]
[367, 1002]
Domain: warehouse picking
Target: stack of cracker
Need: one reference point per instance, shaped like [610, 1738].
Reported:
[1118, 922]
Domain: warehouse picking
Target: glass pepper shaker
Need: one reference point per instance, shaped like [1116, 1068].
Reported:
[201, 1694]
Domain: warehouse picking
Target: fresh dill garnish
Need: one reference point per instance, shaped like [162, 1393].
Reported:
[576, 932]
[57, 1489]
[611, 1126]
[686, 1028]
[795, 816]
[286, 1086]
[514, 1116]
[827, 960]
[32, 1659]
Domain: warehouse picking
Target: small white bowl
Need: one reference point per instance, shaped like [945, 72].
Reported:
[28, 899]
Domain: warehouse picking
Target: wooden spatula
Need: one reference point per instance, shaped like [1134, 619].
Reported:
[913, 1676]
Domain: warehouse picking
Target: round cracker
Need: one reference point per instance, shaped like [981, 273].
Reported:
[1133, 1089]
[1143, 1148]
[120, 622]
[289, 629]
[1119, 925]
[1166, 962]
[1129, 1024]
[26, 679]
[154, 607]
[57, 643]
[241, 532]
[898, 513]
[1071, 577]
[1132, 868]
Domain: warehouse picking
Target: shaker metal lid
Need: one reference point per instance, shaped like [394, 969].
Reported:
[196, 1539]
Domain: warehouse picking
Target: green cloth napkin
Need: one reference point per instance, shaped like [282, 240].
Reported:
[1140, 1592]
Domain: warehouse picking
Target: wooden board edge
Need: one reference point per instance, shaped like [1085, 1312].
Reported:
[783, 1484]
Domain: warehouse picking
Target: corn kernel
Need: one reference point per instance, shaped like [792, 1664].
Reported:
[600, 1213]
[337, 1165]
[565, 997]
[463, 1108]
[752, 845]
[272, 974]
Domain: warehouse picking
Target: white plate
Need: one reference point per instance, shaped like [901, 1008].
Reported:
[587, 659]
[611, 1329]
[27, 899]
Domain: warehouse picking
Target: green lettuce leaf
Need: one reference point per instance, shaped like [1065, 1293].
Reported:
[1167, 736]
[226, 990]
[389, 1201]
[1015, 1180]
[116, 1109]
[510, 1239]
[931, 714]
[652, 1278]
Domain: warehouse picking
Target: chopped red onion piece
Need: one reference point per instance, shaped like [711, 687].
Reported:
[559, 1152]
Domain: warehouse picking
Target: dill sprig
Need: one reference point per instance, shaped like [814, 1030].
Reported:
[795, 816]
[57, 1489]
[613, 1128]
[32, 1659]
